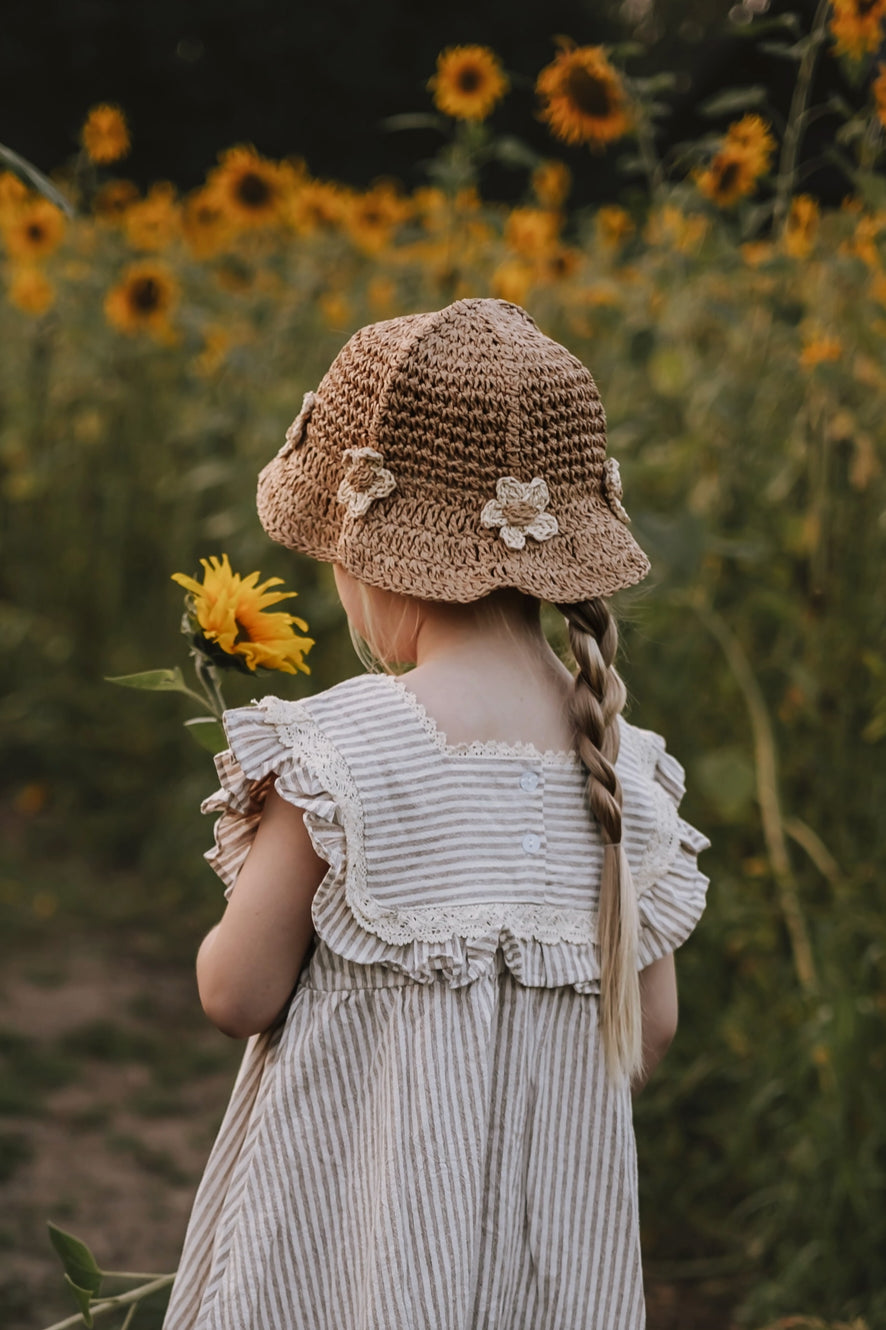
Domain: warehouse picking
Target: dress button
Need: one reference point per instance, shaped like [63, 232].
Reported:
[531, 843]
[529, 780]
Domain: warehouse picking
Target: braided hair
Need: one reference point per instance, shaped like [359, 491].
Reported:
[597, 701]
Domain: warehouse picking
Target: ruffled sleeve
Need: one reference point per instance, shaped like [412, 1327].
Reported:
[265, 747]
[674, 899]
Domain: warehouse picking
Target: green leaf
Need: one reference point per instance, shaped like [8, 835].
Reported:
[782, 50]
[630, 165]
[731, 100]
[153, 681]
[655, 83]
[626, 50]
[413, 120]
[778, 22]
[208, 733]
[83, 1298]
[511, 151]
[81, 1267]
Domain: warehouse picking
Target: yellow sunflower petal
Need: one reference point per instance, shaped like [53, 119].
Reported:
[468, 83]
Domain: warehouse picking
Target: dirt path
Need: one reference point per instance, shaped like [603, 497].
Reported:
[113, 1087]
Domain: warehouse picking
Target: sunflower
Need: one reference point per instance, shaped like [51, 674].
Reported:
[751, 133]
[551, 183]
[613, 225]
[864, 241]
[14, 194]
[669, 226]
[34, 230]
[583, 100]
[512, 281]
[372, 218]
[731, 175]
[855, 26]
[205, 224]
[531, 232]
[229, 613]
[248, 187]
[154, 222]
[801, 226]
[114, 199]
[105, 135]
[819, 346]
[143, 300]
[316, 205]
[468, 83]
[31, 291]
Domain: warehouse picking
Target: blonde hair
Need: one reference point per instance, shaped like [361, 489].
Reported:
[597, 701]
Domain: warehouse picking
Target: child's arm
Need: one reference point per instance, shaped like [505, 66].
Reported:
[658, 1000]
[247, 966]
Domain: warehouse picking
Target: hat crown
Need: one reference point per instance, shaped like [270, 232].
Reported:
[461, 396]
[451, 452]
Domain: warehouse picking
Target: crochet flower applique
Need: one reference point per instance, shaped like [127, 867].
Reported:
[296, 431]
[518, 510]
[612, 489]
[365, 480]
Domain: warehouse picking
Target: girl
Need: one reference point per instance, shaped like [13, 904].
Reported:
[454, 896]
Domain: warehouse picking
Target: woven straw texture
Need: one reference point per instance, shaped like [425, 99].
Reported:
[440, 408]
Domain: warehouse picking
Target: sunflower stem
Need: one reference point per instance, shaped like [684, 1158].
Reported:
[793, 134]
[208, 679]
[646, 149]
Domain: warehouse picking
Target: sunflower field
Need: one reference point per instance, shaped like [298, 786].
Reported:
[156, 347]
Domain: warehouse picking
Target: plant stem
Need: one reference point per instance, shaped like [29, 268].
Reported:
[646, 149]
[208, 678]
[766, 765]
[135, 1295]
[793, 134]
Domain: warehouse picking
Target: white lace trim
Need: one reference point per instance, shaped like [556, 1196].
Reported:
[478, 747]
[664, 841]
[300, 734]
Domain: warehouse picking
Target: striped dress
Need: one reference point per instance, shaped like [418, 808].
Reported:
[427, 1139]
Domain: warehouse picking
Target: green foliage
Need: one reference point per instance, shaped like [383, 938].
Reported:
[741, 364]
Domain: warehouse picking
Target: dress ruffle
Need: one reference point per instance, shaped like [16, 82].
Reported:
[281, 742]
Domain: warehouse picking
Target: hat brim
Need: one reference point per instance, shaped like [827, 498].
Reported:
[439, 552]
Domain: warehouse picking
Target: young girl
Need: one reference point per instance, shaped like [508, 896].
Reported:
[454, 895]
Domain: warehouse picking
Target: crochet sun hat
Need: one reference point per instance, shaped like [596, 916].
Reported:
[446, 454]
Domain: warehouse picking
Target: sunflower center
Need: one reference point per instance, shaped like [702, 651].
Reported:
[243, 633]
[145, 295]
[520, 513]
[592, 95]
[253, 190]
[35, 231]
[469, 78]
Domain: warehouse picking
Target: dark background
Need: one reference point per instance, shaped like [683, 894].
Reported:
[315, 80]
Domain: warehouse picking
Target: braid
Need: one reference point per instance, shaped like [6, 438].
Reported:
[597, 702]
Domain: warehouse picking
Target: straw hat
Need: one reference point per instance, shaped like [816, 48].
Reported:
[450, 453]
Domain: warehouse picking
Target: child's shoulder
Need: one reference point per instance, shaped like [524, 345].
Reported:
[350, 700]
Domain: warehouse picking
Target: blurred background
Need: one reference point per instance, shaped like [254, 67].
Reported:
[198, 204]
